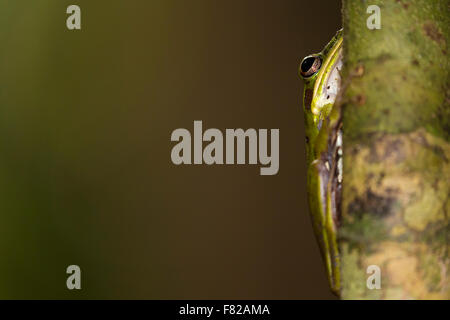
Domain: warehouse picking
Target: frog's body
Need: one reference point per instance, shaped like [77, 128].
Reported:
[321, 73]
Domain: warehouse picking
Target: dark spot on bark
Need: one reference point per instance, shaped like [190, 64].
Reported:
[395, 149]
[405, 5]
[384, 57]
[437, 150]
[435, 184]
[308, 99]
[433, 32]
[354, 150]
[360, 99]
[442, 121]
[373, 204]
[359, 71]
[437, 235]
[380, 178]
[392, 150]
[390, 190]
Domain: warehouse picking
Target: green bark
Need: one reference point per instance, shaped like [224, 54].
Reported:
[396, 112]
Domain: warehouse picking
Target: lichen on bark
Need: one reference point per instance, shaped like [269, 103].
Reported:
[396, 116]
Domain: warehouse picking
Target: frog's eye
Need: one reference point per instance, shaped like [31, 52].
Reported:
[310, 66]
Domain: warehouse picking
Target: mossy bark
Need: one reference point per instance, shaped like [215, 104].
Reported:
[396, 121]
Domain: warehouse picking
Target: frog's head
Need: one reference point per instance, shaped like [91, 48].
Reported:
[321, 74]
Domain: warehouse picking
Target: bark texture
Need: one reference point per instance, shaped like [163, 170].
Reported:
[396, 122]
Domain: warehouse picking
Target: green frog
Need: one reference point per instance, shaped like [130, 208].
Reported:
[322, 77]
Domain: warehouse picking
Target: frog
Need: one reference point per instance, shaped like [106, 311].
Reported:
[321, 73]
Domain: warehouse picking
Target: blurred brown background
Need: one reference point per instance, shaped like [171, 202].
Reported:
[85, 171]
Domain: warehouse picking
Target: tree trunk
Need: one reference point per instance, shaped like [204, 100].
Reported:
[396, 111]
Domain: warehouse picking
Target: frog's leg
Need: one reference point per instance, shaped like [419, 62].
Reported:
[318, 184]
[331, 231]
[325, 186]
